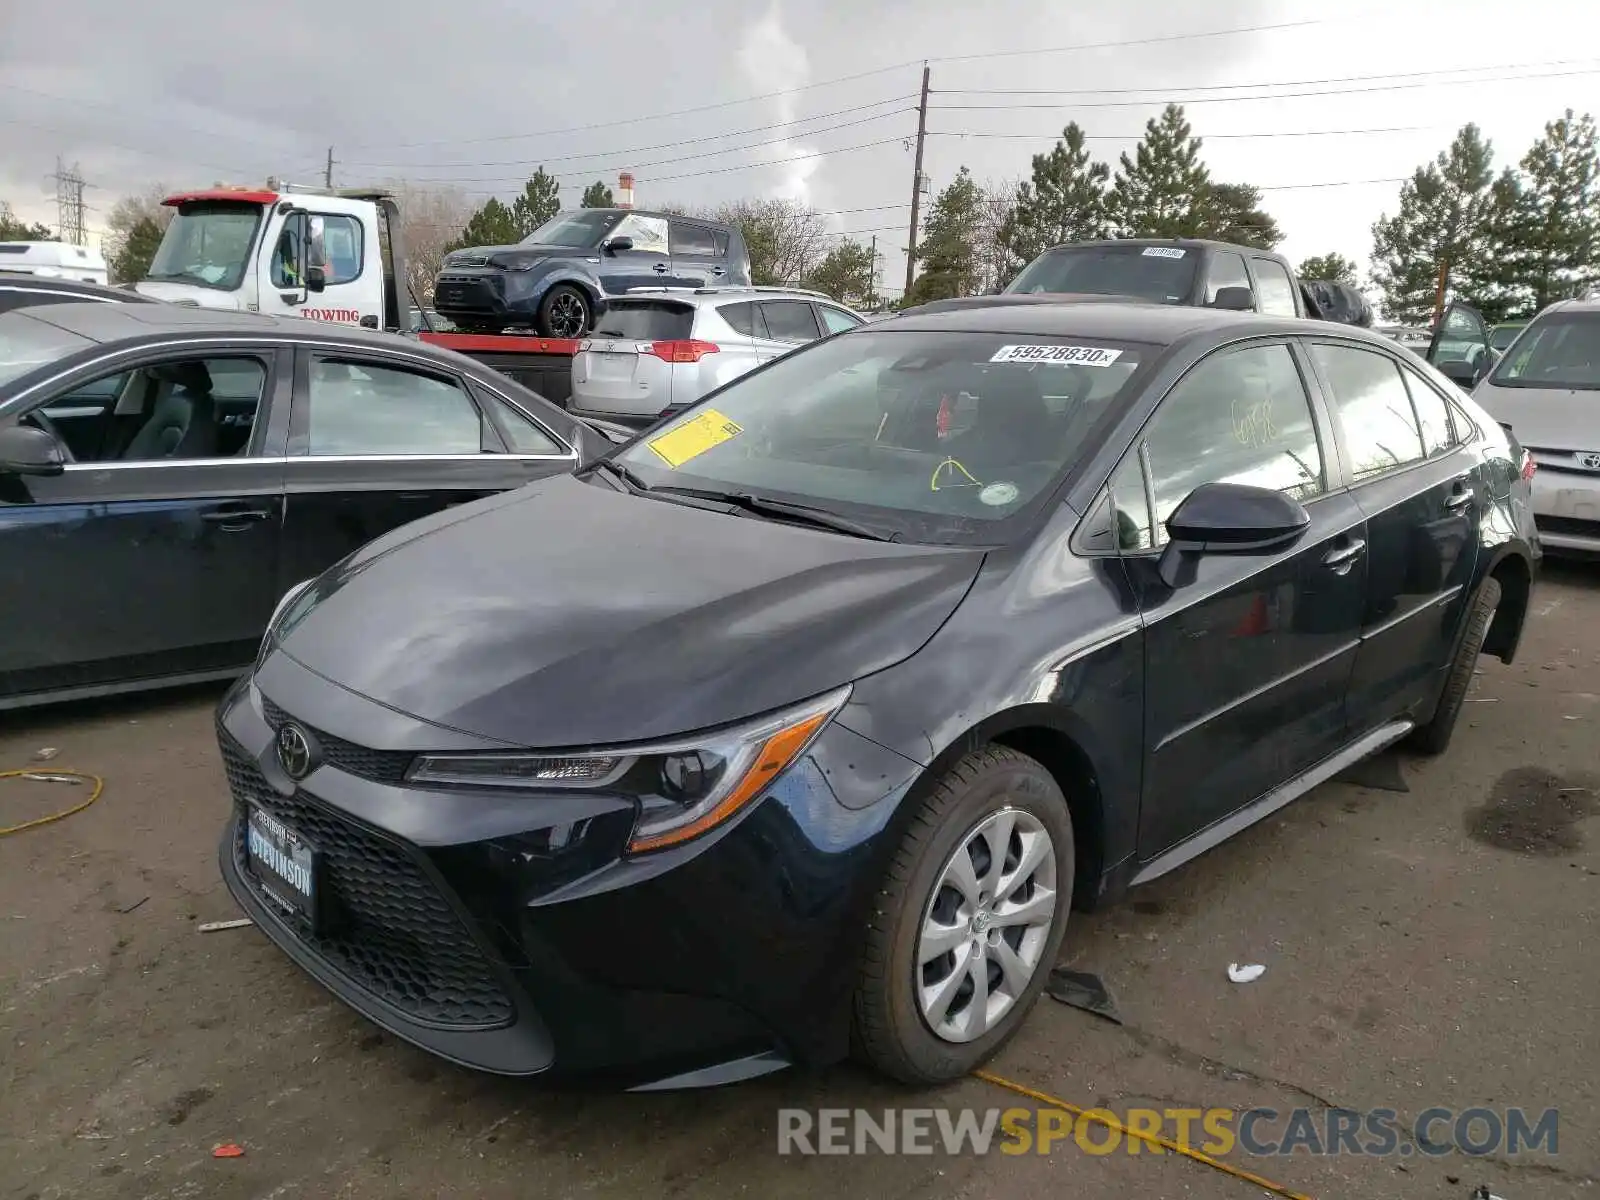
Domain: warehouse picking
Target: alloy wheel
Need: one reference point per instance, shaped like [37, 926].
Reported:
[986, 925]
[567, 317]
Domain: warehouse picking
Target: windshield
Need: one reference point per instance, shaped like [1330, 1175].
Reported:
[27, 343]
[936, 437]
[1561, 351]
[1501, 336]
[647, 320]
[1164, 274]
[578, 229]
[208, 245]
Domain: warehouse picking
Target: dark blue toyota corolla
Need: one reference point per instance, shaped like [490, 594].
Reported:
[800, 723]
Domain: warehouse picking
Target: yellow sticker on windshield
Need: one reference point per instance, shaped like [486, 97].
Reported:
[694, 437]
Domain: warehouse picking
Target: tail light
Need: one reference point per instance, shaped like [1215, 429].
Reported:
[1528, 464]
[690, 351]
[585, 346]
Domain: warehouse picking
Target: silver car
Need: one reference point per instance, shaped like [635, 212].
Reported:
[1547, 388]
[660, 349]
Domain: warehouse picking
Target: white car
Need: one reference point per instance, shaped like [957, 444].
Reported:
[661, 348]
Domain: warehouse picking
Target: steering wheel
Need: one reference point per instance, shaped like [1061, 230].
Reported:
[42, 421]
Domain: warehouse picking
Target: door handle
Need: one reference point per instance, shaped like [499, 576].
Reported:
[234, 518]
[719, 271]
[1344, 557]
[660, 268]
[1459, 499]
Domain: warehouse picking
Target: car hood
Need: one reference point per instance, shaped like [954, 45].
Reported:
[566, 614]
[191, 294]
[1545, 418]
[538, 249]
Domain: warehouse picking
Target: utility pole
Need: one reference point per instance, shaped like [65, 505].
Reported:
[872, 286]
[69, 204]
[916, 182]
[327, 174]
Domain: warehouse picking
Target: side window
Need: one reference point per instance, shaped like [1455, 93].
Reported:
[1130, 506]
[692, 239]
[1225, 270]
[719, 238]
[336, 243]
[649, 234]
[180, 409]
[742, 318]
[1374, 407]
[522, 435]
[1239, 416]
[1433, 414]
[790, 320]
[836, 320]
[285, 271]
[357, 408]
[1274, 289]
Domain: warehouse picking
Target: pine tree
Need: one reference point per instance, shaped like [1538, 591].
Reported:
[1064, 202]
[491, 225]
[846, 273]
[949, 249]
[1335, 268]
[1560, 214]
[1232, 212]
[540, 200]
[130, 261]
[1495, 280]
[596, 195]
[1161, 190]
[1437, 233]
[14, 230]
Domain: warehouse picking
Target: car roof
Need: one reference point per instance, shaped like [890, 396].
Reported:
[1574, 306]
[1155, 324]
[724, 295]
[117, 322]
[28, 282]
[1186, 243]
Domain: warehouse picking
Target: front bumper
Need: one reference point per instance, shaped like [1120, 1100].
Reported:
[457, 921]
[1566, 508]
[486, 295]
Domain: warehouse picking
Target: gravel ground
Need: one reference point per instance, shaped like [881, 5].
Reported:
[1432, 946]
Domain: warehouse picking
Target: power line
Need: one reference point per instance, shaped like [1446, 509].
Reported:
[822, 83]
[1204, 137]
[712, 137]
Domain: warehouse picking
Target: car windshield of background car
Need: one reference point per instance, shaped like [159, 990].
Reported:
[26, 344]
[936, 435]
[575, 229]
[1562, 351]
[1161, 273]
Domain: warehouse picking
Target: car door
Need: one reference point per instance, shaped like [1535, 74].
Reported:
[377, 441]
[336, 242]
[789, 324]
[696, 259]
[646, 263]
[1225, 269]
[1247, 665]
[155, 551]
[1459, 346]
[1423, 500]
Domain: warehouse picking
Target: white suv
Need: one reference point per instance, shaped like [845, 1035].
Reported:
[660, 348]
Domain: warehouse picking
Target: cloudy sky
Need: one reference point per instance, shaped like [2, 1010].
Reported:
[1323, 111]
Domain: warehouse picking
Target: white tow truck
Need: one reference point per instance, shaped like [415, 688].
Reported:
[322, 254]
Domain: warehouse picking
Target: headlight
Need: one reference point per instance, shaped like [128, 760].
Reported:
[684, 788]
[516, 262]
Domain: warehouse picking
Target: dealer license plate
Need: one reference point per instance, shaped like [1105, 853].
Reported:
[284, 865]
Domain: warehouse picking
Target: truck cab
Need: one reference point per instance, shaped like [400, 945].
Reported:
[281, 251]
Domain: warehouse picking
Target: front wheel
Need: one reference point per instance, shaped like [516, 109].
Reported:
[565, 312]
[968, 920]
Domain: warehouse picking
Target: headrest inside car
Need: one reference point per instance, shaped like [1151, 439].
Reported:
[191, 376]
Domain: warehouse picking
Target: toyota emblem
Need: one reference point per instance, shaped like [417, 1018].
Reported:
[294, 751]
[1589, 460]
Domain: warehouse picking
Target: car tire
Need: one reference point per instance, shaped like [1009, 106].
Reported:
[990, 794]
[1434, 737]
[565, 312]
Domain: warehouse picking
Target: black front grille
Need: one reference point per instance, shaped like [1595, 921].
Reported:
[380, 766]
[1571, 526]
[386, 925]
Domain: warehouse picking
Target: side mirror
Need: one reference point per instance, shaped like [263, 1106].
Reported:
[25, 450]
[617, 244]
[1229, 518]
[316, 279]
[1235, 299]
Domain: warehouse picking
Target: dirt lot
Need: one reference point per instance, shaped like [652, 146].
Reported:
[1435, 946]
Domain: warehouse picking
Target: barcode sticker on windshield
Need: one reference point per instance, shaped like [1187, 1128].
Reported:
[1163, 252]
[1058, 356]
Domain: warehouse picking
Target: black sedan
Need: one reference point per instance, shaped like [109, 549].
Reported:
[26, 291]
[166, 473]
[803, 721]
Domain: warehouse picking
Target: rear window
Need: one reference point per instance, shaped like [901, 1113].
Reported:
[1559, 351]
[27, 344]
[646, 320]
[742, 318]
[1164, 274]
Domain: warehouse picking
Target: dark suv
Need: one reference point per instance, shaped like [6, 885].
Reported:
[558, 277]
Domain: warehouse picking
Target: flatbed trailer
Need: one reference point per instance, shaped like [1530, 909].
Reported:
[541, 364]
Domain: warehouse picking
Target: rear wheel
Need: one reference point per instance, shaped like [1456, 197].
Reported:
[968, 921]
[565, 312]
[1434, 737]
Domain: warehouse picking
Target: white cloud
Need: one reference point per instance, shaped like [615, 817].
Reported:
[772, 61]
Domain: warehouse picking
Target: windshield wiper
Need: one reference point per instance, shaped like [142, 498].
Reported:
[801, 514]
[618, 471]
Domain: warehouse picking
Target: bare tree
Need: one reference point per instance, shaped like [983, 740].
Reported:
[133, 230]
[786, 239]
[431, 217]
[996, 261]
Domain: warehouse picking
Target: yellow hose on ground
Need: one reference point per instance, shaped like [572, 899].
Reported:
[98, 786]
